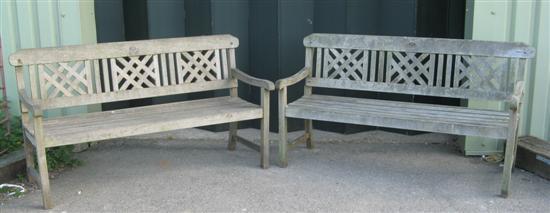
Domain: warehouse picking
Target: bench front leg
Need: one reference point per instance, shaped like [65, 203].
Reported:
[233, 126]
[509, 155]
[232, 145]
[308, 123]
[283, 145]
[42, 163]
[264, 136]
[512, 140]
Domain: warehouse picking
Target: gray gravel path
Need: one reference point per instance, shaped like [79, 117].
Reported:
[376, 171]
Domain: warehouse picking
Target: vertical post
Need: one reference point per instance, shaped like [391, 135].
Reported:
[29, 149]
[42, 162]
[511, 143]
[233, 126]
[283, 160]
[264, 137]
[4, 101]
[307, 91]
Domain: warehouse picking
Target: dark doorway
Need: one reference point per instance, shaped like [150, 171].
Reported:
[271, 33]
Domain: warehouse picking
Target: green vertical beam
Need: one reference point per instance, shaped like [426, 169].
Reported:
[489, 17]
[539, 109]
[44, 23]
[9, 31]
[518, 21]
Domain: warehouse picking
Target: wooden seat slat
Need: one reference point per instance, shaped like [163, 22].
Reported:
[402, 108]
[318, 108]
[164, 117]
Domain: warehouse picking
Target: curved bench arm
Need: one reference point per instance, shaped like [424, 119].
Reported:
[515, 99]
[240, 75]
[34, 108]
[301, 75]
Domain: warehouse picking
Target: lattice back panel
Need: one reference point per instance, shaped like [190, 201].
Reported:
[62, 79]
[418, 69]
[77, 78]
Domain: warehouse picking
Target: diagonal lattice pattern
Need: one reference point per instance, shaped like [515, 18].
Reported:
[135, 72]
[344, 64]
[479, 72]
[65, 79]
[198, 66]
[411, 68]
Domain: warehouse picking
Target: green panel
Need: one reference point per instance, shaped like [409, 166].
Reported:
[522, 21]
[165, 19]
[199, 21]
[10, 43]
[32, 24]
[489, 17]
[295, 22]
[109, 21]
[539, 109]
[232, 17]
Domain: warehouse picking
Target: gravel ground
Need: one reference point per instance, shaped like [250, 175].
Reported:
[375, 171]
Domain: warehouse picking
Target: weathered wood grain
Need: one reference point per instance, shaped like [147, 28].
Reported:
[415, 116]
[535, 145]
[133, 94]
[252, 80]
[121, 49]
[264, 128]
[248, 143]
[283, 146]
[145, 120]
[301, 75]
[409, 89]
[422, 45]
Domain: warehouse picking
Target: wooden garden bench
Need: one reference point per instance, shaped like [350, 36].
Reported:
[53, 78]
[464, 69]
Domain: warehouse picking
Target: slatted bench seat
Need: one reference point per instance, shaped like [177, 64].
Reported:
[468, 70]
[149, 119]
[83, 75]
[404, 115]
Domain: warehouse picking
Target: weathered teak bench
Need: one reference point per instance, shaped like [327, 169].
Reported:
[471, 70]
[51, 78]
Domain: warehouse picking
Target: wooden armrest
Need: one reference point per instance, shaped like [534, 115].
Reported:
[253, 80]
[515, 99]
[27, 101]
[285, 82]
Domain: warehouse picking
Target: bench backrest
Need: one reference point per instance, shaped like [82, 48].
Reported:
[419, 66]
[98, 73]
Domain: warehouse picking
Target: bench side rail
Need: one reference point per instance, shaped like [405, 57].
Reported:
[418, 66]
[99, 73]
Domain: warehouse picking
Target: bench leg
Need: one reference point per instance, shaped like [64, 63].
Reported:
[29, 158]
[283, 149]
[44, 177]
[233, 126]
[509, 156]
[309, 132]
[42, 163]
[264, 136]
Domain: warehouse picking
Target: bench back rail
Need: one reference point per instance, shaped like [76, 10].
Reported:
[91, 74]
[418, 66]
